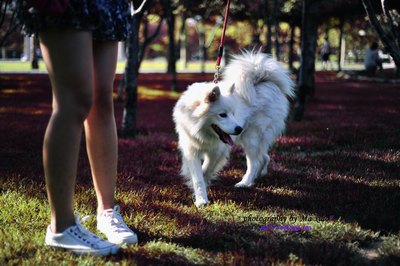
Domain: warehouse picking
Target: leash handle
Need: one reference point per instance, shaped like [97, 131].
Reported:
[221, 45]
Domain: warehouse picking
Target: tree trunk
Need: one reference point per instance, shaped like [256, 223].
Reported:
[276, 29]
[388, 37]
[202, 44]
[183, 42]
[267, 20]
[147, 38]
[8, 26]
[309, 35]
[171, 42]
[256, 42]
[131, 75]
[35, 58]
[170, 18]
[255, 35]
[341, 36]
[291, 45]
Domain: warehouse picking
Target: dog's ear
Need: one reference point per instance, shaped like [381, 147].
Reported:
[232, 88]
[213, 95]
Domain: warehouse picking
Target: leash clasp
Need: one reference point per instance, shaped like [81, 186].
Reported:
[217, 74]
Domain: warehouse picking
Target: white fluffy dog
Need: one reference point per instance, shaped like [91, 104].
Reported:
[249, 107]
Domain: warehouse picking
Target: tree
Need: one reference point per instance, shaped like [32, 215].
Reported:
[309, 35]
[35, 57]
[202, 13]
[385, 20]
[268, 21]
[183, 44]
[291, 45]
[131, 75]
[169, 7]
[259, 14]
[341, 38]
[8, 15]
[276, 8]
[147, 36]
[291, 12]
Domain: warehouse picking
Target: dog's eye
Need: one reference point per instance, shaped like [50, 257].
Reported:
[223, 115]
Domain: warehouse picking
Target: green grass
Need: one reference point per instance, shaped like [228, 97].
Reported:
[25, 213]
[158, 65]
[18, 66]
[343, 163]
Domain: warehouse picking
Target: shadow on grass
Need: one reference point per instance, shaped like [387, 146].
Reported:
[342, 161]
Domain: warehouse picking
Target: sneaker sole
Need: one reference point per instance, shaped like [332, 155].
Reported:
[98, 252]
[126, 241]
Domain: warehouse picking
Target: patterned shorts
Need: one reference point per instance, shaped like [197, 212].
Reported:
[107, 19]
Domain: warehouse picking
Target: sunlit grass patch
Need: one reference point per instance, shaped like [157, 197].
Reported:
[19, 66]
[168, 227]
[152, 93]
[161, 249]
[390, 246]
[376, 182]
[23, 219]
[157, 65]
[28, 111]
[330, 229]
[149, 93]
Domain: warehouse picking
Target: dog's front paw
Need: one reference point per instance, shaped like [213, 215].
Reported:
[200, 203]
[243, 184]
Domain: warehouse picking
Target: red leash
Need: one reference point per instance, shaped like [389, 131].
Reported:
[221, 45]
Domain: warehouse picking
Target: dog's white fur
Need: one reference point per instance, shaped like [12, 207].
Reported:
[252, 97]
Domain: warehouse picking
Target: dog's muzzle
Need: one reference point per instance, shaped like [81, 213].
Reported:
[225, 137]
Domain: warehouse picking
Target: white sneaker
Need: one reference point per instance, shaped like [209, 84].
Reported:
[80, 241]
[113, 226]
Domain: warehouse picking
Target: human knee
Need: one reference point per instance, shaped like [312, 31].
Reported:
[103, 100]
[83, 106]
[75, 106]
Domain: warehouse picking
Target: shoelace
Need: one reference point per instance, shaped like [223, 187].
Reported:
[117, 223]
[83, 234]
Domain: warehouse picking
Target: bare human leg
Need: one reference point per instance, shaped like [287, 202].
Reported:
[100, 127]
[69, 59]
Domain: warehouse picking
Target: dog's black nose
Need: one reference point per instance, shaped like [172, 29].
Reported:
[238, 130]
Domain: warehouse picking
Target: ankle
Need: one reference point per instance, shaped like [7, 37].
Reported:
[103, 207]
[59, 227]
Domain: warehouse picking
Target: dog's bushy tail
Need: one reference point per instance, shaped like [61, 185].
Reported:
[251, 68]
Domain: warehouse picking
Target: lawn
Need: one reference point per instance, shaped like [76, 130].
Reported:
[331, 196]
[155, 65]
